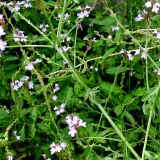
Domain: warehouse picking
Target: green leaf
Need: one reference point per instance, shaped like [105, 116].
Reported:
[78, 90]
[152, 92]
[8, 67]
[22, 132]
[11, 58]
[106, 87]
[110, 51]
[118, 109]
[34, 113]
[68, 94]
[118, 36]
[127, 99]
[103, 133]
[107, 21]
[130, 118]
[3, 114]
[139, 91]
[89, 155]
[44, 127]
[146, 108]
[32, 130]
[1, 135]
[117, 70]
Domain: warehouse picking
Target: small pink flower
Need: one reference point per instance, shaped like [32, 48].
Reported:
[130, 56]
[54, 148]
[56, 88]
[19, 36]
[156, 7]
[74, 123]
[139, 17]
[72, 131]
[83, 14]
[60, 109]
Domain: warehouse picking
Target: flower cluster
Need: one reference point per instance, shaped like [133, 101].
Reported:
[149, 4]
[156, 7]
[137, 52]
[17, 84]
[2, 33]
[66, 17]
[55, 89]
[43, 27]
[74, 123]
[84, 13]
[65, 48]
[60, 109]
[19, 36]
[139, 17]
[31, 65]
[90, 40]
[141, 52]
[16, 6]
[65, 37]
[54, 148]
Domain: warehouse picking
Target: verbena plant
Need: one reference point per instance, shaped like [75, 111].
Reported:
[79, 80]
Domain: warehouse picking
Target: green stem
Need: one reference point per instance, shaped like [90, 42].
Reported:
[60, 25]
[147, 84]
[75, 43]
[147, 133]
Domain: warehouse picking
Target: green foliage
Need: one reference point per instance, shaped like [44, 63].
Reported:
[101, 66]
